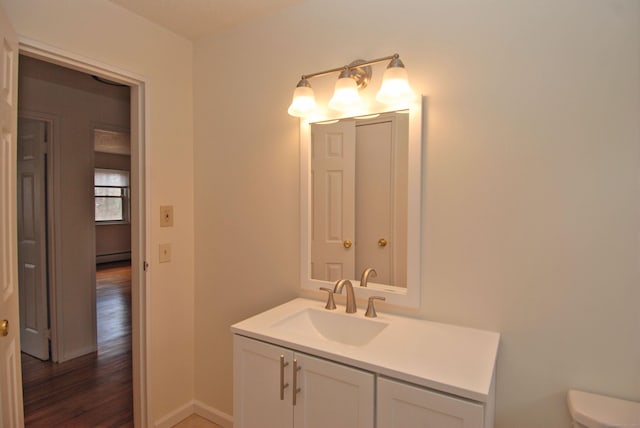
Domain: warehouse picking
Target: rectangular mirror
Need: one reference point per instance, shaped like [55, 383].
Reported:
[360, 203]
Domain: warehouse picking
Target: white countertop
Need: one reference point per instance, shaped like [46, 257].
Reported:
[451, 359]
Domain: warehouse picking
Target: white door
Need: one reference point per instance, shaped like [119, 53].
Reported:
[32, 267]
[332, 395]
[333, 201]
[10, 376]
[261, 385]
[400, 405]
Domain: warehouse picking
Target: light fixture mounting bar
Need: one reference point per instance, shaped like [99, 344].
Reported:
[359, 65]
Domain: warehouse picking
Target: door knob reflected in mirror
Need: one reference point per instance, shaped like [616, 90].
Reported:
[4, 328]
[382, 242]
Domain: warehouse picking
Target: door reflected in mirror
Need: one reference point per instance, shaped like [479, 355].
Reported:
[359, 188]
[360, 203]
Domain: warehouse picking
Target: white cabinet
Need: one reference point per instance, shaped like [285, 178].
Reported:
[329, 394]
[410, 374]
[256, 385]
[276, 387]
[401, 405]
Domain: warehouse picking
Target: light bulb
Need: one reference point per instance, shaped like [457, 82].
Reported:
[345, 96]
[303, 102]
[395, 87]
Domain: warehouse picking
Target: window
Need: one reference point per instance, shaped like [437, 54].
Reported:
[111, 195]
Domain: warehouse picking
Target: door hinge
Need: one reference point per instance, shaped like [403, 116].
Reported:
[45, 140]
[145, 265]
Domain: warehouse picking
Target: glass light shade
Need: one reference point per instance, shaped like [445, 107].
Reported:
[303, 103]
[395, 87]
[345, 96]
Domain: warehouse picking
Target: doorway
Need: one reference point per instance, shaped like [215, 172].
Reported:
[138, 215]
[57, 161]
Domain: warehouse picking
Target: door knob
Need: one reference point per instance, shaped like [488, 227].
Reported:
[4, 328]
[382, 242]
[347, 244]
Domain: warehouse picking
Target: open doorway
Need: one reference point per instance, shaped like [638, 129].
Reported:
[65, 115]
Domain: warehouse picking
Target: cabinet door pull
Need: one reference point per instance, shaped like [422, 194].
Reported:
[296, 369]
[283, 385]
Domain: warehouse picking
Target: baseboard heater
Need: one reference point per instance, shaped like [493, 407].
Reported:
[113, 257]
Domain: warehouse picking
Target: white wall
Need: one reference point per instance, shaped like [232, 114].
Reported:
[531, 182]
[101, 31]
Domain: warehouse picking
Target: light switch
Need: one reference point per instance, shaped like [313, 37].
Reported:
[164, 253]
[166, 215]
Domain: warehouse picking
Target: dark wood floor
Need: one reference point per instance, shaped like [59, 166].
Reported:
[94, 390]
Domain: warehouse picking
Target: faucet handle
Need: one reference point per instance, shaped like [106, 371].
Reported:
[331, 304]
[371, 310]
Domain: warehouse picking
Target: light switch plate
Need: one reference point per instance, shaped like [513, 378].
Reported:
[164, 251]
[166, 215]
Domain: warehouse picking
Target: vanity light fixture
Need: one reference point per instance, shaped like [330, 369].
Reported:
[395, 89]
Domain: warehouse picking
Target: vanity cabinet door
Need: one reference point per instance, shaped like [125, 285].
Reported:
[406, 406]
[257, 384]
[329, 394]
[333, 395]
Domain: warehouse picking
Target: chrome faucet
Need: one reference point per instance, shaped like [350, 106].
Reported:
[351, 297]
[368, 272]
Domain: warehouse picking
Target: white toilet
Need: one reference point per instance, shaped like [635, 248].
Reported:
[598, 411]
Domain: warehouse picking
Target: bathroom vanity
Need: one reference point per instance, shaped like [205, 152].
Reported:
[300, 365]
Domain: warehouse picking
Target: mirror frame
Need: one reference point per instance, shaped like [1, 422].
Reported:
[400, 296]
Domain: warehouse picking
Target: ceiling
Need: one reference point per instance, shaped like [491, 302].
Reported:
[195, 19]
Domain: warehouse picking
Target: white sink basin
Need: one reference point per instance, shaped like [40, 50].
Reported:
[349, 329]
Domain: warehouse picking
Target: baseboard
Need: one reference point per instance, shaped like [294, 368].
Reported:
[198, 408]
[115, 257]
[77, 353]
[214, 415]
[176, 416]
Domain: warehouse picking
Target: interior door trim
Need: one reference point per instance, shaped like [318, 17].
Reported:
[140, 204]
